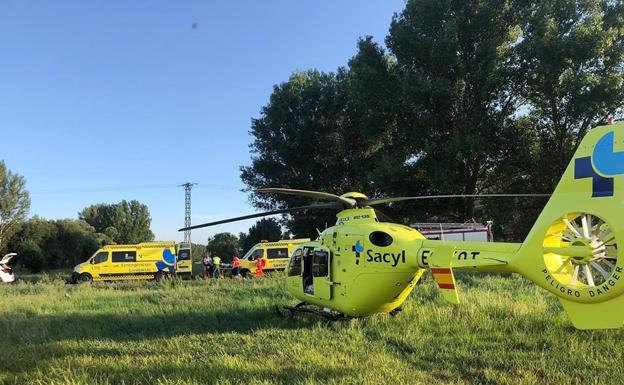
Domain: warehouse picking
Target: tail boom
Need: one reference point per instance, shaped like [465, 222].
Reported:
[572, 250]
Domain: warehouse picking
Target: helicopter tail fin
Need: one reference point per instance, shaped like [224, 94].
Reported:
[443, 272]
[572, 250]
[445, 279]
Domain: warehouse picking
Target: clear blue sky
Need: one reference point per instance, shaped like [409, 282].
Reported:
[108, 100]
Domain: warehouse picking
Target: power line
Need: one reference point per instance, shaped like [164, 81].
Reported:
[79, 190]
[72, 190]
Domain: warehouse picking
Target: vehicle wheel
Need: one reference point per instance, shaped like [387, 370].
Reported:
[85, 278]
[159, 276]
[245, 273]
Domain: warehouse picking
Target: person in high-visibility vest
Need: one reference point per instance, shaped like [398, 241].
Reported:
[260, 263]
[216, 262]
[236, 267]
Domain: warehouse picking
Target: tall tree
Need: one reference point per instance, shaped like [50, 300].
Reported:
[133, 221]
[242, 241]
[267, 229]
[374, 131]
[572, 55]
[223, 245]
[571, 75]
[124, 222]
[472, 97]
[101, 216]
[297, 145]
[328, 132]
[14, 203]
[429, 121]
[456, 63]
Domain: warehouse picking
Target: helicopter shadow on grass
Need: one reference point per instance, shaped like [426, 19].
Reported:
[204, 370]
[41, 340]
[471, 368]
[128, 327]
[208, 372]
[216, 373]
[36, 337]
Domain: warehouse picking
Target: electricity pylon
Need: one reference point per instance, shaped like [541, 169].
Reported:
[187, 209]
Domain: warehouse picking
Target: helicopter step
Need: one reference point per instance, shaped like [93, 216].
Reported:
[396, 311]
[304, 307]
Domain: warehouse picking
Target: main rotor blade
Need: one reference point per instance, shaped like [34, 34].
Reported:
[330, 205]
[378, 201]
[313, 194]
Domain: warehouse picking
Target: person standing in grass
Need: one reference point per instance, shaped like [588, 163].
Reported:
[207, 261]
[216, 262]
[236, 267]
[260, 263]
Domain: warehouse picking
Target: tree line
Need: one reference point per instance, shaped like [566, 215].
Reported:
[469, 97]
[44, 244]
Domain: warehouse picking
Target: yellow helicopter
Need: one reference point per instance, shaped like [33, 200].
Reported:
[361, 266]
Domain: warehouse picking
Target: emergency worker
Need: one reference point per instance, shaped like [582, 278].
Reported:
[236, 267]
[216, 263]
[260, 263]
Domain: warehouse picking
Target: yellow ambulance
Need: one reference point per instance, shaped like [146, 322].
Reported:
[277, 255]
[184, 264]
[148, 260]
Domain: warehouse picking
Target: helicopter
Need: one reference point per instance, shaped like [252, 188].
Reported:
[362, 265]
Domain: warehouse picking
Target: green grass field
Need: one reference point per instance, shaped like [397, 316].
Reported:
[227, 331]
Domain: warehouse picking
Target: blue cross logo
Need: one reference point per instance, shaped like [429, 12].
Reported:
[605, 161]
[358, 248]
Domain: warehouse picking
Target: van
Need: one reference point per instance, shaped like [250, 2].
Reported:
[148, 260]
[277, 255]
[184, 265]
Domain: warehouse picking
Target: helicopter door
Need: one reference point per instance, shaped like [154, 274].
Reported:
[321, 271]
[307, 279]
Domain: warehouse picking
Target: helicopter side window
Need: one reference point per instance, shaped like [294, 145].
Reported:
[295, 263]
[320, 266]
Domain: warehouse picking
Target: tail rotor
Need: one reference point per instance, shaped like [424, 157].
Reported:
[580, 250]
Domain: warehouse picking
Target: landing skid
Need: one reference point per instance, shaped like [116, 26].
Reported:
[304, 307]
[395, 311]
